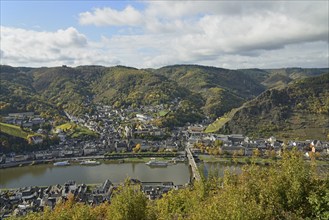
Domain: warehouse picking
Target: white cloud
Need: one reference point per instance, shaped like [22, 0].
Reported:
[36, 48]
[110, 17]
[220, 33]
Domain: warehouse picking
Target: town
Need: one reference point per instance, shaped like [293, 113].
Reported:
[122, 133]
[121, 130]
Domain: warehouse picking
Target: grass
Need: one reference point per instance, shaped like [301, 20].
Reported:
[221, 121]
[14, 130]
[163, 113]
[216, 125]
[66, 126]
[73, 130]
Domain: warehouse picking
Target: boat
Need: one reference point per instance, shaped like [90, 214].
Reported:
[62, 163]
[90, 162]
[155, 163]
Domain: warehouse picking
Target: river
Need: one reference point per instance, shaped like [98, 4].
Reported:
[47, 174]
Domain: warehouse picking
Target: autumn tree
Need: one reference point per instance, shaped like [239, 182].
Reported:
[128, 203]
[137, 148]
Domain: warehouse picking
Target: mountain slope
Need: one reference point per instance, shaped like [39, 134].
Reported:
[76, 90]
[198, 91]
[65, 87]
[212, 91]
[124, 86]
[300, 110]
[279, 78]
[221, 89]
[17, 93]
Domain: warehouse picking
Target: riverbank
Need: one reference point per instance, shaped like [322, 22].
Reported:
[110, 158]
[136, 160]
[247, 160]
[237, 160]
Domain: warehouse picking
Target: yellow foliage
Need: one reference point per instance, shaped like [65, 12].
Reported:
[137, 148]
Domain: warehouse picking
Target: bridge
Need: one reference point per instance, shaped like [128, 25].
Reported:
[195, 171]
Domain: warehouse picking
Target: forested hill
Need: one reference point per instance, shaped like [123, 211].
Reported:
[221, 89]
[205, 91]
[279, 78]
[17, 93]
[210, 90]
[301, 110]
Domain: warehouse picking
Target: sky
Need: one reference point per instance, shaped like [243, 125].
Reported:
[152, 34]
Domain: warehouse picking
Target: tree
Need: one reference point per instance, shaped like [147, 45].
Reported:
[256, 152]
[241, 152]
[137, 148]
[218, 143]
[128, 203]
[235, 154]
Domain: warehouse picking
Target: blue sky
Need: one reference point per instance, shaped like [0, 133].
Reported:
[48, 15]
[229, 34]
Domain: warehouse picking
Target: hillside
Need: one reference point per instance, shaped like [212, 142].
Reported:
[201, 90]
[124, 86]
[301, 110]
[17, 93]
[66, 88]
[221, 89]
[15, 139]
[279, 78]
[50, 91]
[76, 131]
[13, 130]
[210, 91]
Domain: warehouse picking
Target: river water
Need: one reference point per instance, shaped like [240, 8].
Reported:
[47, 174]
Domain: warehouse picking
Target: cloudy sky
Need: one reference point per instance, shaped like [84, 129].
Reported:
[143, 34]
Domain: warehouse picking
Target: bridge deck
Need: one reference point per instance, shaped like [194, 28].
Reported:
[195, 170]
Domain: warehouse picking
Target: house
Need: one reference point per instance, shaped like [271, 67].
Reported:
[155, 190]
[195, 129]
[142, 117]
[232, 149]
[9, 120]
[128, 132]
[106, 186]
[145, 146]
[120, 146]
[236, 138]
[19, 158]
[21, 114]
[43, 155]
[36, 139]
[209, 137]
[69, 187]
[316, 144]
[41, 131]
[27, 124]
[29, 194]
[89, 150]
[62, 136]
[272, 140]
[171, 146]
[37, 121]
[192, 140]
